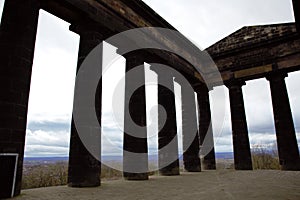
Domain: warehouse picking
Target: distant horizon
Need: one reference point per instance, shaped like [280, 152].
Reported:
[60, 156]
[151, 157]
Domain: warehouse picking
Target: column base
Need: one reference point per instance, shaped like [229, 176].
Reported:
[170, 170]
[193, 169]
[291, 167]
[209, 165]
[83, 177]
[135, 176]
[192, 165]
[173, 172]
[243, 167]
[85, 183]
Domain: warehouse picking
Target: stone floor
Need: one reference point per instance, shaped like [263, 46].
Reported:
[224, 184]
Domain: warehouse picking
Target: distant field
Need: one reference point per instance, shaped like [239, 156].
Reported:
[219, 155]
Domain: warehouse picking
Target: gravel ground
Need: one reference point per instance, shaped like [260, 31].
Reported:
[221, 184]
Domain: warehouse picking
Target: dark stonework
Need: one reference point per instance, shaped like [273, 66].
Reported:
[167, 135]
[296, 7]
[17, 41]
[285, 131]
[191, 147]
[135, 141]
[84, 169]
[205, 128]
[249, 53]
[241, 146]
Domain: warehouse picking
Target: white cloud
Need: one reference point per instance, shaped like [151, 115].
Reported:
[47, 143]
[49, 138]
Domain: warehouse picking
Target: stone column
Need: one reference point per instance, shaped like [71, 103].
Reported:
[285, 131]
[17, 40]
[190, 134]
[205, 128]
[296, 6]
[241, 146]
[84, 169]
[135, 155]
[167, 136]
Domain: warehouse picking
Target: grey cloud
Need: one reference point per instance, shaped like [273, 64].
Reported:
[48, 126]
[40, 151]
[48, 138]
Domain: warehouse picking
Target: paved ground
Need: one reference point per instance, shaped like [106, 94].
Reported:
[224, 184]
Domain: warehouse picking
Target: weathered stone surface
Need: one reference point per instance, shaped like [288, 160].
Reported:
[251, 36]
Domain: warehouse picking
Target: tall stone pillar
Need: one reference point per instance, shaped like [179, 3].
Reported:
[17, 40]
[84, 168]
[167, 136]
[296, 6]
[241, 146]
[205, 128]
[285, 131]
[135, 155]
[190, 134]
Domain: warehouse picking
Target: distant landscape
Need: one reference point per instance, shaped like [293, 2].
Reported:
[53, 171]
[219, 155]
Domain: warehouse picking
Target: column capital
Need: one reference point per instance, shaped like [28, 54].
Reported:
[184, 78]
[234, 83]
[161, 71]
[87, 27]
[179, 80]
[200, 87]
[273, 76]
[138, 56]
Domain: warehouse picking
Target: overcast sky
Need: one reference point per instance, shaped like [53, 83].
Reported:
[203, 22]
